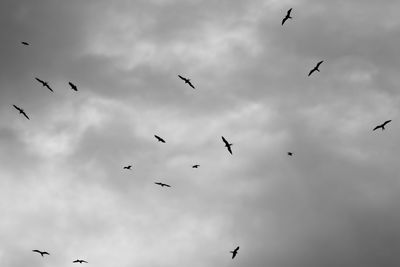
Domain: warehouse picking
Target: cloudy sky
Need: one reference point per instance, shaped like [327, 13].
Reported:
[62, 186]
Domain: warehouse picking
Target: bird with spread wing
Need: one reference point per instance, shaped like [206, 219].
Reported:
[227, 144]
[287, 16]
[41, 252]
[45, 84]
[382, 126]
[234, 252]
[187, 81]
[21, 111]
[316, 68]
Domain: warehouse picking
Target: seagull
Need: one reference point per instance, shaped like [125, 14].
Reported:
[79, 261]
[227, 144]
[159, 139]
[162, 184]
[234, 252]
[41, 252]
[45, 84]
[290, 153]
[382, 125]
[315, 68]
[196, 166]
[287, 16]
[24, 43]
[187, 81]
[21, 111]
[128, 167]
[73, 86]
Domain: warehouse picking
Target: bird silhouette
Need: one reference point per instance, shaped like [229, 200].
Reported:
[382, 126]
[73, 86]
[79, 261]
[234, 252]
[196, 166]
[21, 111]
[159, 139]
[315, 68]
[41, 252]
[128, 167]
[287, 16]
[290, 153]
[45, 84]
[25, 43]
[227, 144]
[162, 184]
[187, 81]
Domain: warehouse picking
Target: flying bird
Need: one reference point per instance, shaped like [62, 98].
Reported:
[73, 86]
[128, 167]
[21, 111]
[159, 139]
[315, 68]
[162, 184]
[41, 252]
[24, 43]
[234, 252]
[196, 166]
[187, 81]
[290, 153]
[382, 126]
[79, 261]
[227, 144]
[287, 16]
[45, 84]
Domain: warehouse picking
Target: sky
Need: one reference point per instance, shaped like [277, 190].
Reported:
[63, 188]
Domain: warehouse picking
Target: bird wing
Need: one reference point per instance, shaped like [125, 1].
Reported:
[24, 43]
[311, 72]
[191, 85]
[39, 80]
[17, 108]
[75, 261]
[284, 19]
[49, 87]
[85, 261]
[45, 253]
[288, 12]
[386, 122]
[38, 251]
[158, 183]
[234, 254]
[167, 185]
[182, 77]
[224, 140]
[377, 127]
[319, 63]
[26, 116]
[230, 149]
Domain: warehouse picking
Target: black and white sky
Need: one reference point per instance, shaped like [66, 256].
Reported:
[63, 188]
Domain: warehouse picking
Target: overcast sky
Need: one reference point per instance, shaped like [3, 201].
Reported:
[63, 188]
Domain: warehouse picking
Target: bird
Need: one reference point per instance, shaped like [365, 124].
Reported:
[162, 184]
[41, 252]
[187, 81]
[315, 68]
[290, 153]
[21, 111]
[196, 166]
[79, 261]
[382, 126]
[128, 167]
[287, 16]
[234, 252]
[227, 144]
[159, 139]
[45, 84]
[73, 86]
[25, 43]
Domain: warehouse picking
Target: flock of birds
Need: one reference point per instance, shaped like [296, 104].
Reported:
[227, 144]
